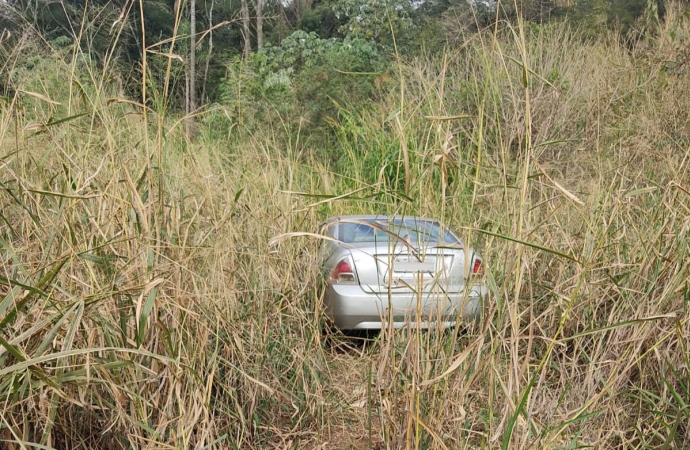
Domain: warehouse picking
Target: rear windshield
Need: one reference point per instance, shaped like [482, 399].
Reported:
[410, 229]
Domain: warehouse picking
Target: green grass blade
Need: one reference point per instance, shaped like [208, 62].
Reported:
[528, 244]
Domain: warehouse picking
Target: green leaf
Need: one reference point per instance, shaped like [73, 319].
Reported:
[33, 291]
[23, 365]
[145, 312]
[636, 192]
[529, 244]
[614, 326]
[50, 336]
[80, 374]
[105, 260]
[42, 128]
[393, 115]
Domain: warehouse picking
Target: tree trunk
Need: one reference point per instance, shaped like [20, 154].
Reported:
[245, 27]
[210, 51]
[192, 56]
[302, 7]
[259, 11]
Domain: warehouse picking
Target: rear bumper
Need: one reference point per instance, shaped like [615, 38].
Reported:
[350, 308]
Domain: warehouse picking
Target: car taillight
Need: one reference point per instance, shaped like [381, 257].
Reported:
[343, 272]
[477, 268]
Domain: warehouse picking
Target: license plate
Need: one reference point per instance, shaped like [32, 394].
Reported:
[406, 266]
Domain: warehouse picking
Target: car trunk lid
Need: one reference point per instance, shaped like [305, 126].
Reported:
[381, 269]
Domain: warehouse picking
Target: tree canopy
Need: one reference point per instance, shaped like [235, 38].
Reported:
[308, 31]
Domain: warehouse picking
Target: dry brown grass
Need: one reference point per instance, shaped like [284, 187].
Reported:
[143, 307]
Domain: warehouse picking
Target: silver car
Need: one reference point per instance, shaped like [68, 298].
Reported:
[395, 270]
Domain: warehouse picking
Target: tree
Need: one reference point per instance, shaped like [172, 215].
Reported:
[381, 21]
[595, 16]
[246, 36]
[259, 11]
[533, 10]
[320, 19]
[301, 7]
[192, 56]
[210, 50]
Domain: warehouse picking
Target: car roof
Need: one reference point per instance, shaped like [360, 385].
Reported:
[355, 217]
[379, 217]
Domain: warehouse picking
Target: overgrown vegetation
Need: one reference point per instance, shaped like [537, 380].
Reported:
[155, 290]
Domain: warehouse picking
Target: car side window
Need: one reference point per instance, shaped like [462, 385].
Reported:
[353, 232]
[347, 232]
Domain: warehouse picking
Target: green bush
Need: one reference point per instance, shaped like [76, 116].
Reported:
[301, 82]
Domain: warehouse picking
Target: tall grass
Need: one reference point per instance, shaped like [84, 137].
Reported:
[146, 304]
